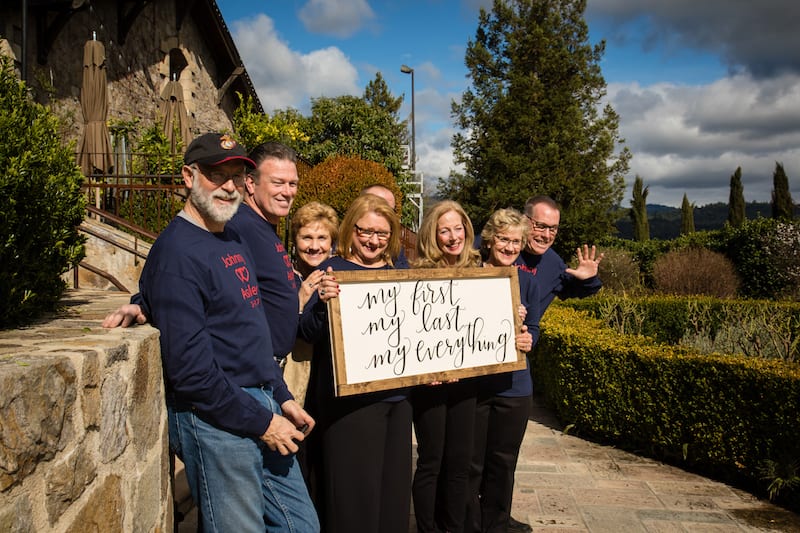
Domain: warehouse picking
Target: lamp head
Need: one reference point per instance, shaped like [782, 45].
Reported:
[405, 69]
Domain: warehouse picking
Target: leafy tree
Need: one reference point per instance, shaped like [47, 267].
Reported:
[378, 95]
[252, 128]
[352, 126]
[687, 216]
[641, 226]
[782, 205]
[532, 123]
[41, 205]
[736, 212]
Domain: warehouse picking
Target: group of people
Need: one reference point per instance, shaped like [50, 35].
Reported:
[245, 342]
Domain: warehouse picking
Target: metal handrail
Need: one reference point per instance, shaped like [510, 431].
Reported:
[112, 198]
[135, 251]
[139, 203]
[102, 273]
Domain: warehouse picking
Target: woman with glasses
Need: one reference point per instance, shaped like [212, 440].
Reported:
[504, 400]
[362, 459]
[444, 413]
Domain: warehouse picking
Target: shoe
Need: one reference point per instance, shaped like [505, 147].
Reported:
[515, 526]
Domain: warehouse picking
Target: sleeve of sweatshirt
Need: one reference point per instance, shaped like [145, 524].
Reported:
[313, 326]
[579, 288]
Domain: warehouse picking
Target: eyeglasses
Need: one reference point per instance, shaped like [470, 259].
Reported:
[220, 178]
[542, 227]
[505, 241]
[368, 233]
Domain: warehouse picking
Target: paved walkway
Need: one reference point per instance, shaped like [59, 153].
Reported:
[567, 484]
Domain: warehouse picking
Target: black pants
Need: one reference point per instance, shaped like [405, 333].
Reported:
[366, 468]
[500, 424]
[444, 423]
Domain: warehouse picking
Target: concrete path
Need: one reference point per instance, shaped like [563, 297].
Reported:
[567, 484]
[564, 483]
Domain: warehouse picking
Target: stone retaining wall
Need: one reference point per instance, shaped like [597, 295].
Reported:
[83, 431]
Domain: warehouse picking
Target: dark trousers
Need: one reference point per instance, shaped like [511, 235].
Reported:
[444, 424]
[366, 468]
[500, 424]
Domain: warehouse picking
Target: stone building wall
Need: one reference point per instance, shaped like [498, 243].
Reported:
[137, 70]
[83, 432]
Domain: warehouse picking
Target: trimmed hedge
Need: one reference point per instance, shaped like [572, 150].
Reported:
[757, 328]
[731, 417]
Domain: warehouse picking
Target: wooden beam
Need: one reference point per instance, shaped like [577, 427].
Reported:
[238, 71]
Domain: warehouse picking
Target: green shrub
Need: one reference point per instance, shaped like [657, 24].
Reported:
[619, 272]
[252, 128]
[40, 205]
[339, 180]
[151, 210]
[155, 156]
[766, 253]
[754, 328]
[643, 253]
[695, 271]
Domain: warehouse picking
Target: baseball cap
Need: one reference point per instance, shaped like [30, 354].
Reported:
[212, 149]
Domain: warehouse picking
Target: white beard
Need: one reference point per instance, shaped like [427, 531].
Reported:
[209, 209]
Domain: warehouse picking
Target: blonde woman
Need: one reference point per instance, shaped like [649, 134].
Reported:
[444, 413]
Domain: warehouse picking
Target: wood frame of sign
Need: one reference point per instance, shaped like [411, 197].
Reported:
[398, 328]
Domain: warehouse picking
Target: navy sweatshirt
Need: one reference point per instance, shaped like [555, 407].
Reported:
[276, 278]
[553, 280]
[518, 383]
[200, 290]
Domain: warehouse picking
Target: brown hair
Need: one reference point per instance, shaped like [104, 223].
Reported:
[316, 212]
[533, 201]
[274, 150]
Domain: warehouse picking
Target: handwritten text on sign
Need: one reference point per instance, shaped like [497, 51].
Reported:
[423, 326]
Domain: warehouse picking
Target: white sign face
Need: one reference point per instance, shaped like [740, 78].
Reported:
[407, 327]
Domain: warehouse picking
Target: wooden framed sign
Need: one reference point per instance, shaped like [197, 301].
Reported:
[397, 328]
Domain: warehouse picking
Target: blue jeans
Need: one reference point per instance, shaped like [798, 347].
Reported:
[237, 482]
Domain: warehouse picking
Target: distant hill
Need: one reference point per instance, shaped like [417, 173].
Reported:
[665, 221]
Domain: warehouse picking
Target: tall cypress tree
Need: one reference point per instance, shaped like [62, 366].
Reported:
[782, 205]
[687, 216]
[641, 226]
[532, 120]
[736, 212]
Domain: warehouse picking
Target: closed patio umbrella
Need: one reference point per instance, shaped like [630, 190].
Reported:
[174, 116]
[95, 148]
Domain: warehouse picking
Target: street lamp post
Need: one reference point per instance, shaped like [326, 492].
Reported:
[405, 69]
[416, 179]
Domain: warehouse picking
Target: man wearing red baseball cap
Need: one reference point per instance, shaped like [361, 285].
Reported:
[232, 420]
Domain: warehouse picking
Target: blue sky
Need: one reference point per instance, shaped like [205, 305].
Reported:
[701, 87]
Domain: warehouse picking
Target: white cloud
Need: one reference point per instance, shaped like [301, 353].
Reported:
[339, 18]
[690, 139]
[285, 78]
